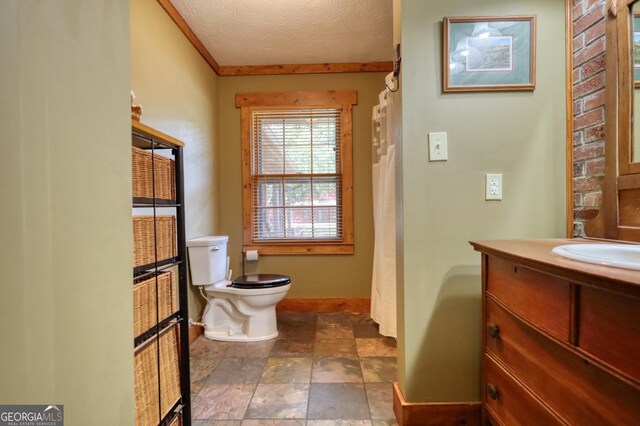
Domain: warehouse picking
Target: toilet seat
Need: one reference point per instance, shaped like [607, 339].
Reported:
[255, 281]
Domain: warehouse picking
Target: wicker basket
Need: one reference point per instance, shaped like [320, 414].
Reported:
[146, 386]
[169, 369]
[148, 408]
[143, 172]
[143, 241]
[144, 301]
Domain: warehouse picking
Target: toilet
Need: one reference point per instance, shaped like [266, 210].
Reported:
[242, 310]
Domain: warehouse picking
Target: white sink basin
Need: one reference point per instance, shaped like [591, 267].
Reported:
[615, 255]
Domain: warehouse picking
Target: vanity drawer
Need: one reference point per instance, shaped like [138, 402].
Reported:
[509, 403]
[578, 391]
[609, 328]
[539, 298]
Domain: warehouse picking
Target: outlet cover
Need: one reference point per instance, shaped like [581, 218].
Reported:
[493, 186]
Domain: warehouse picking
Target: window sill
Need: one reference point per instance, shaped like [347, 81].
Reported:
[297, 248]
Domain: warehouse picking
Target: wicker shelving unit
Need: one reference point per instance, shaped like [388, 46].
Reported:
[161, 329]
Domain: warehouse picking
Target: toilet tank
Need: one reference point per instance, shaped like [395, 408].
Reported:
[208, 259]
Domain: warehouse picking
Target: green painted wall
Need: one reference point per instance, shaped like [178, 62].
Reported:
[66, 307]
[178, 92]
[316, 275]
[522, 136]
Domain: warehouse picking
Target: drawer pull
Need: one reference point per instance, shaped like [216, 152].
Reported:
[493, 330]
[492, 391]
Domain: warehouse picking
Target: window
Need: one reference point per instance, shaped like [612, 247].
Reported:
[297, 177]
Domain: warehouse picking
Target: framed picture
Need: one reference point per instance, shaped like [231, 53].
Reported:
[635, 43]
[489, 54]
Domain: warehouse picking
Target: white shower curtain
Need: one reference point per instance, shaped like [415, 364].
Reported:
[386, 130]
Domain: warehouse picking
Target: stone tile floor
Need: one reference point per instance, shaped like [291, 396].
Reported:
[323, 370]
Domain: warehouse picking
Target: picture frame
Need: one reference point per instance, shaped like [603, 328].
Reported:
[489, 53]
[635, 43]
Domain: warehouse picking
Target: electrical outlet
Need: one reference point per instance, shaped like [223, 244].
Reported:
[493, 186]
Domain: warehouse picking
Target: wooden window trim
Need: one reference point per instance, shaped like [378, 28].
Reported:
[344, 100]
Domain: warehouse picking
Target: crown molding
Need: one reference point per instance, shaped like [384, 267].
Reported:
[307, 68]
[188, 32]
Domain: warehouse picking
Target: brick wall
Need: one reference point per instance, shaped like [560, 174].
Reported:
[588, 109]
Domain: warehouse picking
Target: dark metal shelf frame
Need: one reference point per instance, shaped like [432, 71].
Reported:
[155, 330]
[151, 202]
[156, 266]
[175, 411]
[183, 406]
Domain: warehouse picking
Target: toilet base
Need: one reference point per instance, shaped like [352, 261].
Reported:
[225, 337]
[242, 315]
[225, 323]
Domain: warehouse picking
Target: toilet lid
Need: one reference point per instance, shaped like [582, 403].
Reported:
[260, 281]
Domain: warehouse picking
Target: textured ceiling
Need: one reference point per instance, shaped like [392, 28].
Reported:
[270, 32]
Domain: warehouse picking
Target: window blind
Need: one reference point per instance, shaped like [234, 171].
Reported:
[296, 174]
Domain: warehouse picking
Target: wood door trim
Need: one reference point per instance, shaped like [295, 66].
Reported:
[569, 118]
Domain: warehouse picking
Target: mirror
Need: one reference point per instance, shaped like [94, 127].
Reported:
[635, 63]
[627, 29]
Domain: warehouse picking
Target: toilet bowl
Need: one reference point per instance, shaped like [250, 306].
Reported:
[242, 310]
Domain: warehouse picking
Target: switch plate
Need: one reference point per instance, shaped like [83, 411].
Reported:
[438, 146]
[493, 186]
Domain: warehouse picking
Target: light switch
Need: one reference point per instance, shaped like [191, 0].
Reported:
[438, 146]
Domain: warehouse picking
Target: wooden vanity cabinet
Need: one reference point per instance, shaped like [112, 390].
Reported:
[561, 339]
